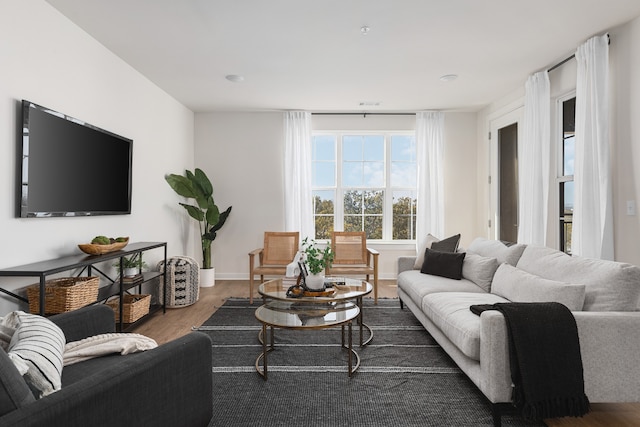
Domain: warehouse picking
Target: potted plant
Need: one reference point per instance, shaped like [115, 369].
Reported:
[131, 265]
[317, 261]
[196, 185]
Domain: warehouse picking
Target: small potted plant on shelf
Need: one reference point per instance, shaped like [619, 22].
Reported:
[131, 265]
[317, 261]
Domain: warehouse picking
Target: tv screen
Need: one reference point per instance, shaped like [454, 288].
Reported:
[71, 168]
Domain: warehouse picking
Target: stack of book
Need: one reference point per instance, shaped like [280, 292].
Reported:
[132, 280]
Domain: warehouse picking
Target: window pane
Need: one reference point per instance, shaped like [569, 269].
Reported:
[352, 173]
[352, 203]
[569, 154]
[373, 227]
[324, 227]
[352, 223]
[403, 147]
[374, 148]
[403, 174]
[567, 193]
[373, 202]
[324, 174]
[373, 174]
[404, 217]
[352, 148]
[324, 147]
[324, 202]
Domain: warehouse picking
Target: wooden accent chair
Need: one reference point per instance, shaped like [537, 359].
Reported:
[279, 250]
[351, 256]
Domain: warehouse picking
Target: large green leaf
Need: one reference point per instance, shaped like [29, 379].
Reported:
[204, 183]
[181, 185]
[213, 213]
[194, 211]
[222, 219]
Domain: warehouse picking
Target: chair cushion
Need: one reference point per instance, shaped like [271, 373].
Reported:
[450, 312]
[519, 286]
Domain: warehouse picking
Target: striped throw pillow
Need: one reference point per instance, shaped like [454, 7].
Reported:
[37, 348]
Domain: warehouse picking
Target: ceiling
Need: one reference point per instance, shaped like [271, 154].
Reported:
[312, 55]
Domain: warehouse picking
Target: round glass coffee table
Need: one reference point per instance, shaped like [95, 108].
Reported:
[353, 289]
[307, 316]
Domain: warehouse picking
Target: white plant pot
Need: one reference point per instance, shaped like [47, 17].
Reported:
[207, 277]
[315, 282]
[130, 272]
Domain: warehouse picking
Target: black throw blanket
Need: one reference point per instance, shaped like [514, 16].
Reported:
[544, 353]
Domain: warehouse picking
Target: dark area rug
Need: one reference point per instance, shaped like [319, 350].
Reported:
[405, 378]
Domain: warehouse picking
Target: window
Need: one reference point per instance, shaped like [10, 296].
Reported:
[567, 147]
[365, 182]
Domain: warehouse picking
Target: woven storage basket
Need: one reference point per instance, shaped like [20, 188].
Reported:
[133, 307]
[64, 294]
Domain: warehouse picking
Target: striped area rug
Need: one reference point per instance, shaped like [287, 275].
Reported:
[404, 379]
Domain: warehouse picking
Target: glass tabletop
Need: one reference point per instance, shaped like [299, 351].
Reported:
[303, 315]
[352, 288]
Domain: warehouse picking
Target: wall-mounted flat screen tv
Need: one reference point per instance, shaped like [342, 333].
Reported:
[71, 168]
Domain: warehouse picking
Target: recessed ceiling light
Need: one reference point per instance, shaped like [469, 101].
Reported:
[236, 78]
[448, 77]
[364, 30]
[369, 104]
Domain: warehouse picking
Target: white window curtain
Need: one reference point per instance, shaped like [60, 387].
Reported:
[592, 234]
[298, 215]
[534, 161]
[430, 159]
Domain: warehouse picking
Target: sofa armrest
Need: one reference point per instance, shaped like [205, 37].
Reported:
[610, 347]
[86, 322]
[167, 386]
[406, 263]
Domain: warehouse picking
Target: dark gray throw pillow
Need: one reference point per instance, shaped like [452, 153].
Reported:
[450, 244]
[444, 264]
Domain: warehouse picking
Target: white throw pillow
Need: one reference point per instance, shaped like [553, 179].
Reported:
[426, 244]
[479, 270]
[519, 286]
[498, 250]
[36, 349]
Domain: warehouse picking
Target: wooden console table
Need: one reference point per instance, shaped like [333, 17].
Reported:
[86, 263]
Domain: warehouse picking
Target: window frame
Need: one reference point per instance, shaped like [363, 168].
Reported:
[561, 178]
[339, 190]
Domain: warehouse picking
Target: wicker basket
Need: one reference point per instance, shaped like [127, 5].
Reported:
[133, 308]
[64, 294]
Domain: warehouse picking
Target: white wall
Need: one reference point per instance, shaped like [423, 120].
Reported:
[49, 60]
[624, 55]
[243, 152]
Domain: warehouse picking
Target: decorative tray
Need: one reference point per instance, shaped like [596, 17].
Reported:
[298, 292]
[94, 249]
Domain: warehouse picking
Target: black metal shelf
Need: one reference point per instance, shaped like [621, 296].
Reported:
[117, 287]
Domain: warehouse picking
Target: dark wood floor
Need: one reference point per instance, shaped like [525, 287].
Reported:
[179, 321]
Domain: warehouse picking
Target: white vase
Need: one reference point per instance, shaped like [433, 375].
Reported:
[207, 277]
[315, 282]
[130, 272]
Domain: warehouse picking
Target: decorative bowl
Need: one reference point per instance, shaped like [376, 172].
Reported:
[94, 249]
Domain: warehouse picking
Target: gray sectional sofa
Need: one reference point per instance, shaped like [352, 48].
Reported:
[167, 386]
[603, 296]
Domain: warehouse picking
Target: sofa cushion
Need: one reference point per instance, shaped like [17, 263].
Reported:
[519, 286]
[450, 244]
[610, 286]
[479, 269]
[36, 349]
[496, 249]
[14, 392]
[416, 285]
[443, 264]
[450, 312]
